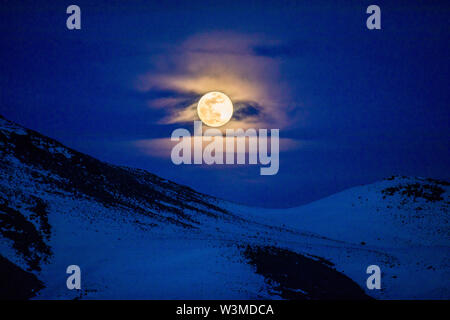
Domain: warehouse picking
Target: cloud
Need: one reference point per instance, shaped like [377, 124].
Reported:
[224, 62]
[182, 72]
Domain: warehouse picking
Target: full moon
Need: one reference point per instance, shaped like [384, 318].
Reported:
[215, 109]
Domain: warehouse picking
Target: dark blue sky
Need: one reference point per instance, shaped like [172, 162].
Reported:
[367, 104]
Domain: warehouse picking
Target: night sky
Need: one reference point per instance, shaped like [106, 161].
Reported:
[353, 105]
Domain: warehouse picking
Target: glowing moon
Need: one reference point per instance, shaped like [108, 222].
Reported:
[215, 109]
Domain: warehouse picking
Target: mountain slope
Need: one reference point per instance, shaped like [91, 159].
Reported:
[404, 219]
[133, 234]
[137, 236]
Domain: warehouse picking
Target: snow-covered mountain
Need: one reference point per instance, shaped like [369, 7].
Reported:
[137, 236]
[400, 224]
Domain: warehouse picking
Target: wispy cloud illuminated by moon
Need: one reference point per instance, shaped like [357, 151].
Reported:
[219, 62]
[181, 73]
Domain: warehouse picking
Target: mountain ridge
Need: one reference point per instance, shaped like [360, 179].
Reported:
[60, 207]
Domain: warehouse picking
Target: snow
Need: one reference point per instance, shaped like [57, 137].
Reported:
[128, 255]
[156, 264]
[412, 251]
[9, 127]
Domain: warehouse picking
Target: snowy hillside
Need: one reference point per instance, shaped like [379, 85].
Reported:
[137, 236]
[401, 224]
